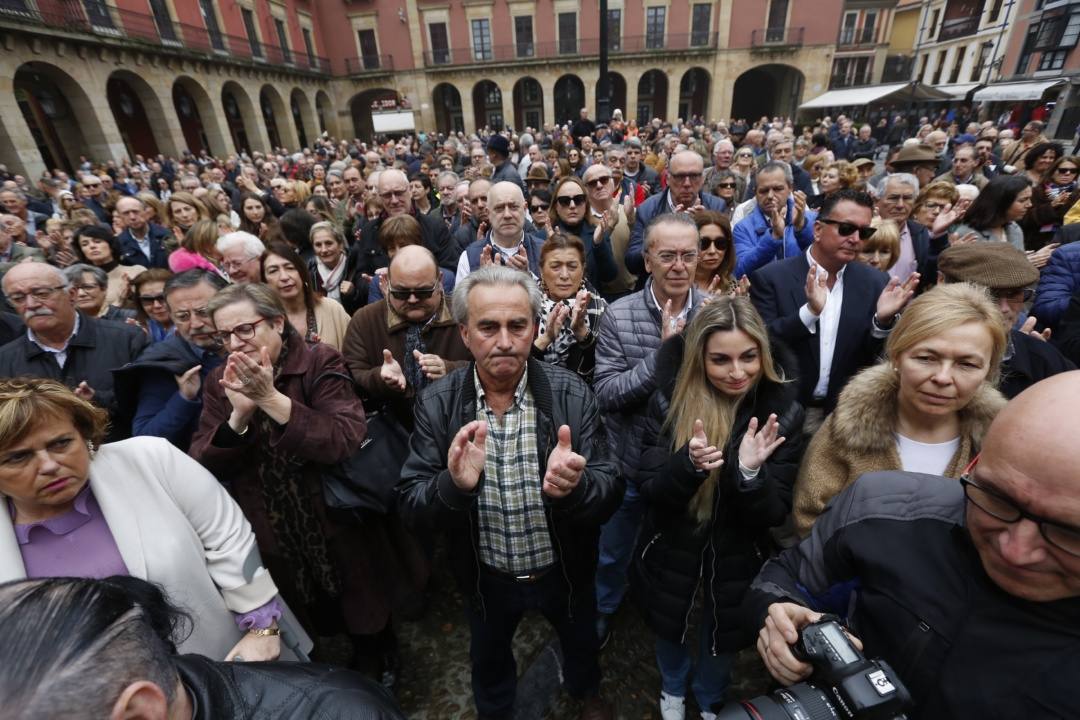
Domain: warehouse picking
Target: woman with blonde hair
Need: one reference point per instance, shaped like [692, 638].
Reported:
[933, 199]
[722, 447]
[925, 408]
[198, 248]
[882, 250]
[182, 211]
[833, 176]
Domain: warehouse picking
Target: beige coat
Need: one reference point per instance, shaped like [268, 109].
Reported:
[176, 526]
[859, 437]
[332, 321]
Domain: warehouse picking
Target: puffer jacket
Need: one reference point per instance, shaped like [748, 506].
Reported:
[625, 361]
[428, 497]
[284, 691]
[1057, 283]
[676, 556]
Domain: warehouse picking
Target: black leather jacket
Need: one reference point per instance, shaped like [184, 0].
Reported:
[429, 497]
[282, 691]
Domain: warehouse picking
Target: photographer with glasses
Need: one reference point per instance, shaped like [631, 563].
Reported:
[970, 589]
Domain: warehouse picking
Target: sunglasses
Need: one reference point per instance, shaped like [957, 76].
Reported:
[151, 299]
[846, 228]
[420, 293]
[726, 186]
[599, 182]
[567, 200]
[539, 207]
[707, 241]
[1066, 171]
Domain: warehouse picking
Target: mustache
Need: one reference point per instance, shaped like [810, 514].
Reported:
[39, 312]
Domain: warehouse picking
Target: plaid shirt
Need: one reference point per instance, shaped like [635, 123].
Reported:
[514, 535]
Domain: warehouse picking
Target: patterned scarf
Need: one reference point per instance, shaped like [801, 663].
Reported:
[414, 341]
[558, 351]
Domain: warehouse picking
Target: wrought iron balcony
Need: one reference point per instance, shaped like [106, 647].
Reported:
[570, 49]
[369, 64]
[777, 37]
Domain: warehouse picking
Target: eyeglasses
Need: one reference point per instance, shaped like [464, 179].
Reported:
[683, 177]
[1005, 509]
[92, 185]
[846, 228]
[389, 194]
[1066, 170]
[151, 299]
[726, 185]
[37, 293]
[420, 293]
[669, 258]
[1013, 295]
[231, 265]
[568, 200]
[539, 207]
[900, 198]
[707, 240]
[243, 331]
[184, 315]
[598, 182]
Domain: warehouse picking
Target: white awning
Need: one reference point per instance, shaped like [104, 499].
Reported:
[896, 92]
[392, 121]
[1030, 90]
[958, 91]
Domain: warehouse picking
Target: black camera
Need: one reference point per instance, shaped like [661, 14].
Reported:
[844, 683]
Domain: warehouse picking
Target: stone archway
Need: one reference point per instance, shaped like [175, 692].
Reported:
[276, 118]
[767, 90]
[59, 115]
[360, 108]
[694, 94]
[240, 116]
[303, 118]
[194, 110]
[325, 111]
[138, 111]
[617, 85]
[528, 103]
[569, 96]
[652, 95]
[446, 99]
[488, 105]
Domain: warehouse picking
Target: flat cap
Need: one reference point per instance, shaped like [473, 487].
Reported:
[993, 265]
[915, 155]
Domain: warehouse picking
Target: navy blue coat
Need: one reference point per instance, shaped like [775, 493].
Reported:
[132, 254]
[647, 212]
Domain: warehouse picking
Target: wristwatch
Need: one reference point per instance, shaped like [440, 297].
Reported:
[265, 632]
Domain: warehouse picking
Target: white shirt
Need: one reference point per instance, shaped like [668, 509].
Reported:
[825, 325]
[743, 210]
[463, 267]
[929, 458]
[60, 353]
[683, 314]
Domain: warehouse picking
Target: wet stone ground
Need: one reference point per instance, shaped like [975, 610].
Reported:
[434, 680]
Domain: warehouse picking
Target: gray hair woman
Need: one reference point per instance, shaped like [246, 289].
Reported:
[91, 284]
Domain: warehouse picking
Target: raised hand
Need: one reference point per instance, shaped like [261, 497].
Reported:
[564, 467]
[468, 451]
[487, 256]
[757, 447]
[705, 457]
[714, 285]
[84, 391]
[243, 406]
[743, 288]
[189, 383]
[519, 260]
[777, 218]
[670, 323]
[894, 297]
[578, 314]
[1028, 328]
[1039, 258]
[629, 210]
[817, 289]
[390, 372]
[553, 323]
[945, 219]
[799, 216]
[966, 239]
[433, 366]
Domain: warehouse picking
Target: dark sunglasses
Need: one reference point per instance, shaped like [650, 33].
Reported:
[728, 185]
[599, 182]
[420, 293]
[846, 228]
[539, 207]
[565, 200]
[151, 299]
[707, 240]
[1066, 171]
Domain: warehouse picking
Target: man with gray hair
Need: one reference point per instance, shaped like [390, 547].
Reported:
[896, 195]
[506, 243]
[508, 456]
[779, 226]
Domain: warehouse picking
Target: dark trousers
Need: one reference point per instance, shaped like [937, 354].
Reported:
[494, 672]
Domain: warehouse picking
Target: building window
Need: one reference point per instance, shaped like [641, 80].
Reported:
[568, 33]
[847, 30]
[97, 12]
[654, 27]
[958, 60]
[283, 39]
[309, 46]
[614, 33]
[980, 61]
[213, 30]
[699, 24]
[481, 39]
[939, 67]
[523, 35]
[249, 28]
[162, 20]
[440, 44]
[869, 28]
[1024, 60]
[931, 29]
[777, 21]
[369, 49]
[995, 11]
[849, 72]
[924, 61]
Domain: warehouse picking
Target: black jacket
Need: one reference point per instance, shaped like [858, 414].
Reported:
[1032, 360]
[282, 691]
[1067, 334]
[367, 255]
[429, 498]
[676, 555]
[351, 301]
[93, 353]
[132, 254]
[965, 648]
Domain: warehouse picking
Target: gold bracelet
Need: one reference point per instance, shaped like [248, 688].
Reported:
[265, 632]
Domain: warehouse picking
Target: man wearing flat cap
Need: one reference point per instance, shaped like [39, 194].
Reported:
[1006, 273]
[919, 160]
[498, 151]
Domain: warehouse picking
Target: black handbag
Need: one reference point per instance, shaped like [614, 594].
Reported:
[366, 479]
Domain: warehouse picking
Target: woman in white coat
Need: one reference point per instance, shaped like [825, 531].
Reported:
[138, 507]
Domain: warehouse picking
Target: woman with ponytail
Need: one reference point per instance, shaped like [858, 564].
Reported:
[721, 453]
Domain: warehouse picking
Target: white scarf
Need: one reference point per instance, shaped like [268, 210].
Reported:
[331, 279]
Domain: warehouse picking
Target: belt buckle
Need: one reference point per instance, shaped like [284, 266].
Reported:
[528, 578]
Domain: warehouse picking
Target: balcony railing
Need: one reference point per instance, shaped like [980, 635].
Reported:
[855, 37]
[684, 42]
[777, 37]
[958, 27]
[367, 64]
[101, 19]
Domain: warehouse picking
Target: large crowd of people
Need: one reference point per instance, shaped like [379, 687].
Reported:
[737, 374]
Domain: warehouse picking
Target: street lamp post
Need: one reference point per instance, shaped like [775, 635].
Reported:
[603, 88]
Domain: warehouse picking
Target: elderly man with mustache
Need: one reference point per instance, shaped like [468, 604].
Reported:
[63, 344]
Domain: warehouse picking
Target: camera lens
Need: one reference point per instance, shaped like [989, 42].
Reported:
[798, 702]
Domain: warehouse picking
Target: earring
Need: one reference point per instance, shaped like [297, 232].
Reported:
[91, 449]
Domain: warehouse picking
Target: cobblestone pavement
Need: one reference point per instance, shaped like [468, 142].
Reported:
[434, 678]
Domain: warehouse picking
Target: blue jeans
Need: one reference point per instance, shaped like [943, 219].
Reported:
[713, 673]
[618, 539]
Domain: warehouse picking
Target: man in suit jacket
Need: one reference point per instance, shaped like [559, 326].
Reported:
[686, 176]
[142, 242]
[833, 312]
